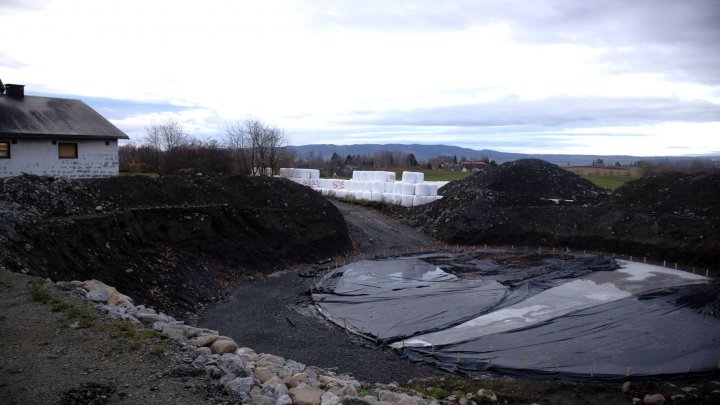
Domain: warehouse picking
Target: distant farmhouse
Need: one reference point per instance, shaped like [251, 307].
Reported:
[54, 137]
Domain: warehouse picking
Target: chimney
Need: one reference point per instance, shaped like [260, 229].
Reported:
[15, 90]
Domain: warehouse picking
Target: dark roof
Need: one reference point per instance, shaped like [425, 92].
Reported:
[43, 117]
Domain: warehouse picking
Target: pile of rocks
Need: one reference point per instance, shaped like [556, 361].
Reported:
[262, 379]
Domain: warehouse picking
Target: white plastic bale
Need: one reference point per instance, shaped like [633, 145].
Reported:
[407, 200]
[413, 177]
[389, 187]
[367, 186]
[419, 200]
[388, 198]
[376, 197]
[339, 184]
[408, 188]
[377, 187]
[359, 175]
[397, 199]
[284, 172]
[432, 190]
[366, 195]
[397, 187]
[314, 173]
[324, 183]
[422, 189]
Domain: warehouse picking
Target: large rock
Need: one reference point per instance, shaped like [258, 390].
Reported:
[269, 358]
[306, 396]
[654, 399]
[222, 346]
[204, 340]
[284, 400]
[329, 398]
[240, 385]
[348, 391]
[233, 364]
[264, 374]
[263, 400]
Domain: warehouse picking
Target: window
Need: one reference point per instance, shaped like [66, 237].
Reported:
[67, 151]
[4, 149]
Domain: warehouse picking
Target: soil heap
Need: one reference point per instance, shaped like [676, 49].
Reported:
[175, 243]
[671, 217]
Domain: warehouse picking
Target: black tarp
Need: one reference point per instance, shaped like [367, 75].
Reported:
[530, 313]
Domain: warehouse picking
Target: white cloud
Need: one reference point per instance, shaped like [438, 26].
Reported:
[314, 65]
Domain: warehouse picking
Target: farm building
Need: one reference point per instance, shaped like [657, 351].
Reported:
[54, 137]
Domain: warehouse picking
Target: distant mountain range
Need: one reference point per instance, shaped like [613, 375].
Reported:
[424, 152]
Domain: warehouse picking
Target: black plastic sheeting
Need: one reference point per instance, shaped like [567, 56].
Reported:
[641, 332]
[647, 336]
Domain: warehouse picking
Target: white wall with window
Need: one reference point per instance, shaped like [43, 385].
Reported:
[70, 158]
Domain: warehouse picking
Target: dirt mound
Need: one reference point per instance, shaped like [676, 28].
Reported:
[524, 181]
[669, 217]
[175, 242]
[689, 195]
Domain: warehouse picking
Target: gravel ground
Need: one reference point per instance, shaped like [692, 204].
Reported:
[61, 351]
[271, 314]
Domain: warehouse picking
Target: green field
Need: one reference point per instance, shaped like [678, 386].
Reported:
[444, 175]
[611, 182]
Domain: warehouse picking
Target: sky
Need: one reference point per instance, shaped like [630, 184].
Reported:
[604, 77]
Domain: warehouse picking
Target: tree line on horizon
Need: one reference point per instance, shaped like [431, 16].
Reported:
[252, 147]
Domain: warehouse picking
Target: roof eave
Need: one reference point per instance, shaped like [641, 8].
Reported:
[60, 136]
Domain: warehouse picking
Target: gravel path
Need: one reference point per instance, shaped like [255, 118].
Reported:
[271, 314]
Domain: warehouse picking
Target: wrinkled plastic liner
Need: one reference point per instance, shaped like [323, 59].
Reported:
[536, 314]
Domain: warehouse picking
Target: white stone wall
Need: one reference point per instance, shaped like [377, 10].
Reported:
[95, 159]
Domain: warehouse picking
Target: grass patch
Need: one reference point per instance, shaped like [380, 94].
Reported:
[158, 351]
[38, 292]
[83, 314]
[125, 329]
[444, 175]
[611, 182]
[366, 391]
[437, 393]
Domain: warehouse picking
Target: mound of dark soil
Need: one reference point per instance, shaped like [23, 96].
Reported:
[525, 181]
[670, 217]
[175, 242]
[687, 195]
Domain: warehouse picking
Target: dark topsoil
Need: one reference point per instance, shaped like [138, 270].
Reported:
[175, 243]
[672, 216]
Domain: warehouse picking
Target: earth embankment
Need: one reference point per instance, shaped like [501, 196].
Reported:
[175, 243]
[672, 216]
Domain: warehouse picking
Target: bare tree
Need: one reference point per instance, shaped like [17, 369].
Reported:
[257, 146]
[166, 137]
[236, 139]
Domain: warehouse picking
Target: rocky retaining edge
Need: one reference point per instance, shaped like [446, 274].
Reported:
[262, 379]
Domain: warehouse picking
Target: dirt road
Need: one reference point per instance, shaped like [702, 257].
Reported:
[271, 314]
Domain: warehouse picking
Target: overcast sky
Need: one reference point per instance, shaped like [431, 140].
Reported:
[638, 77]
